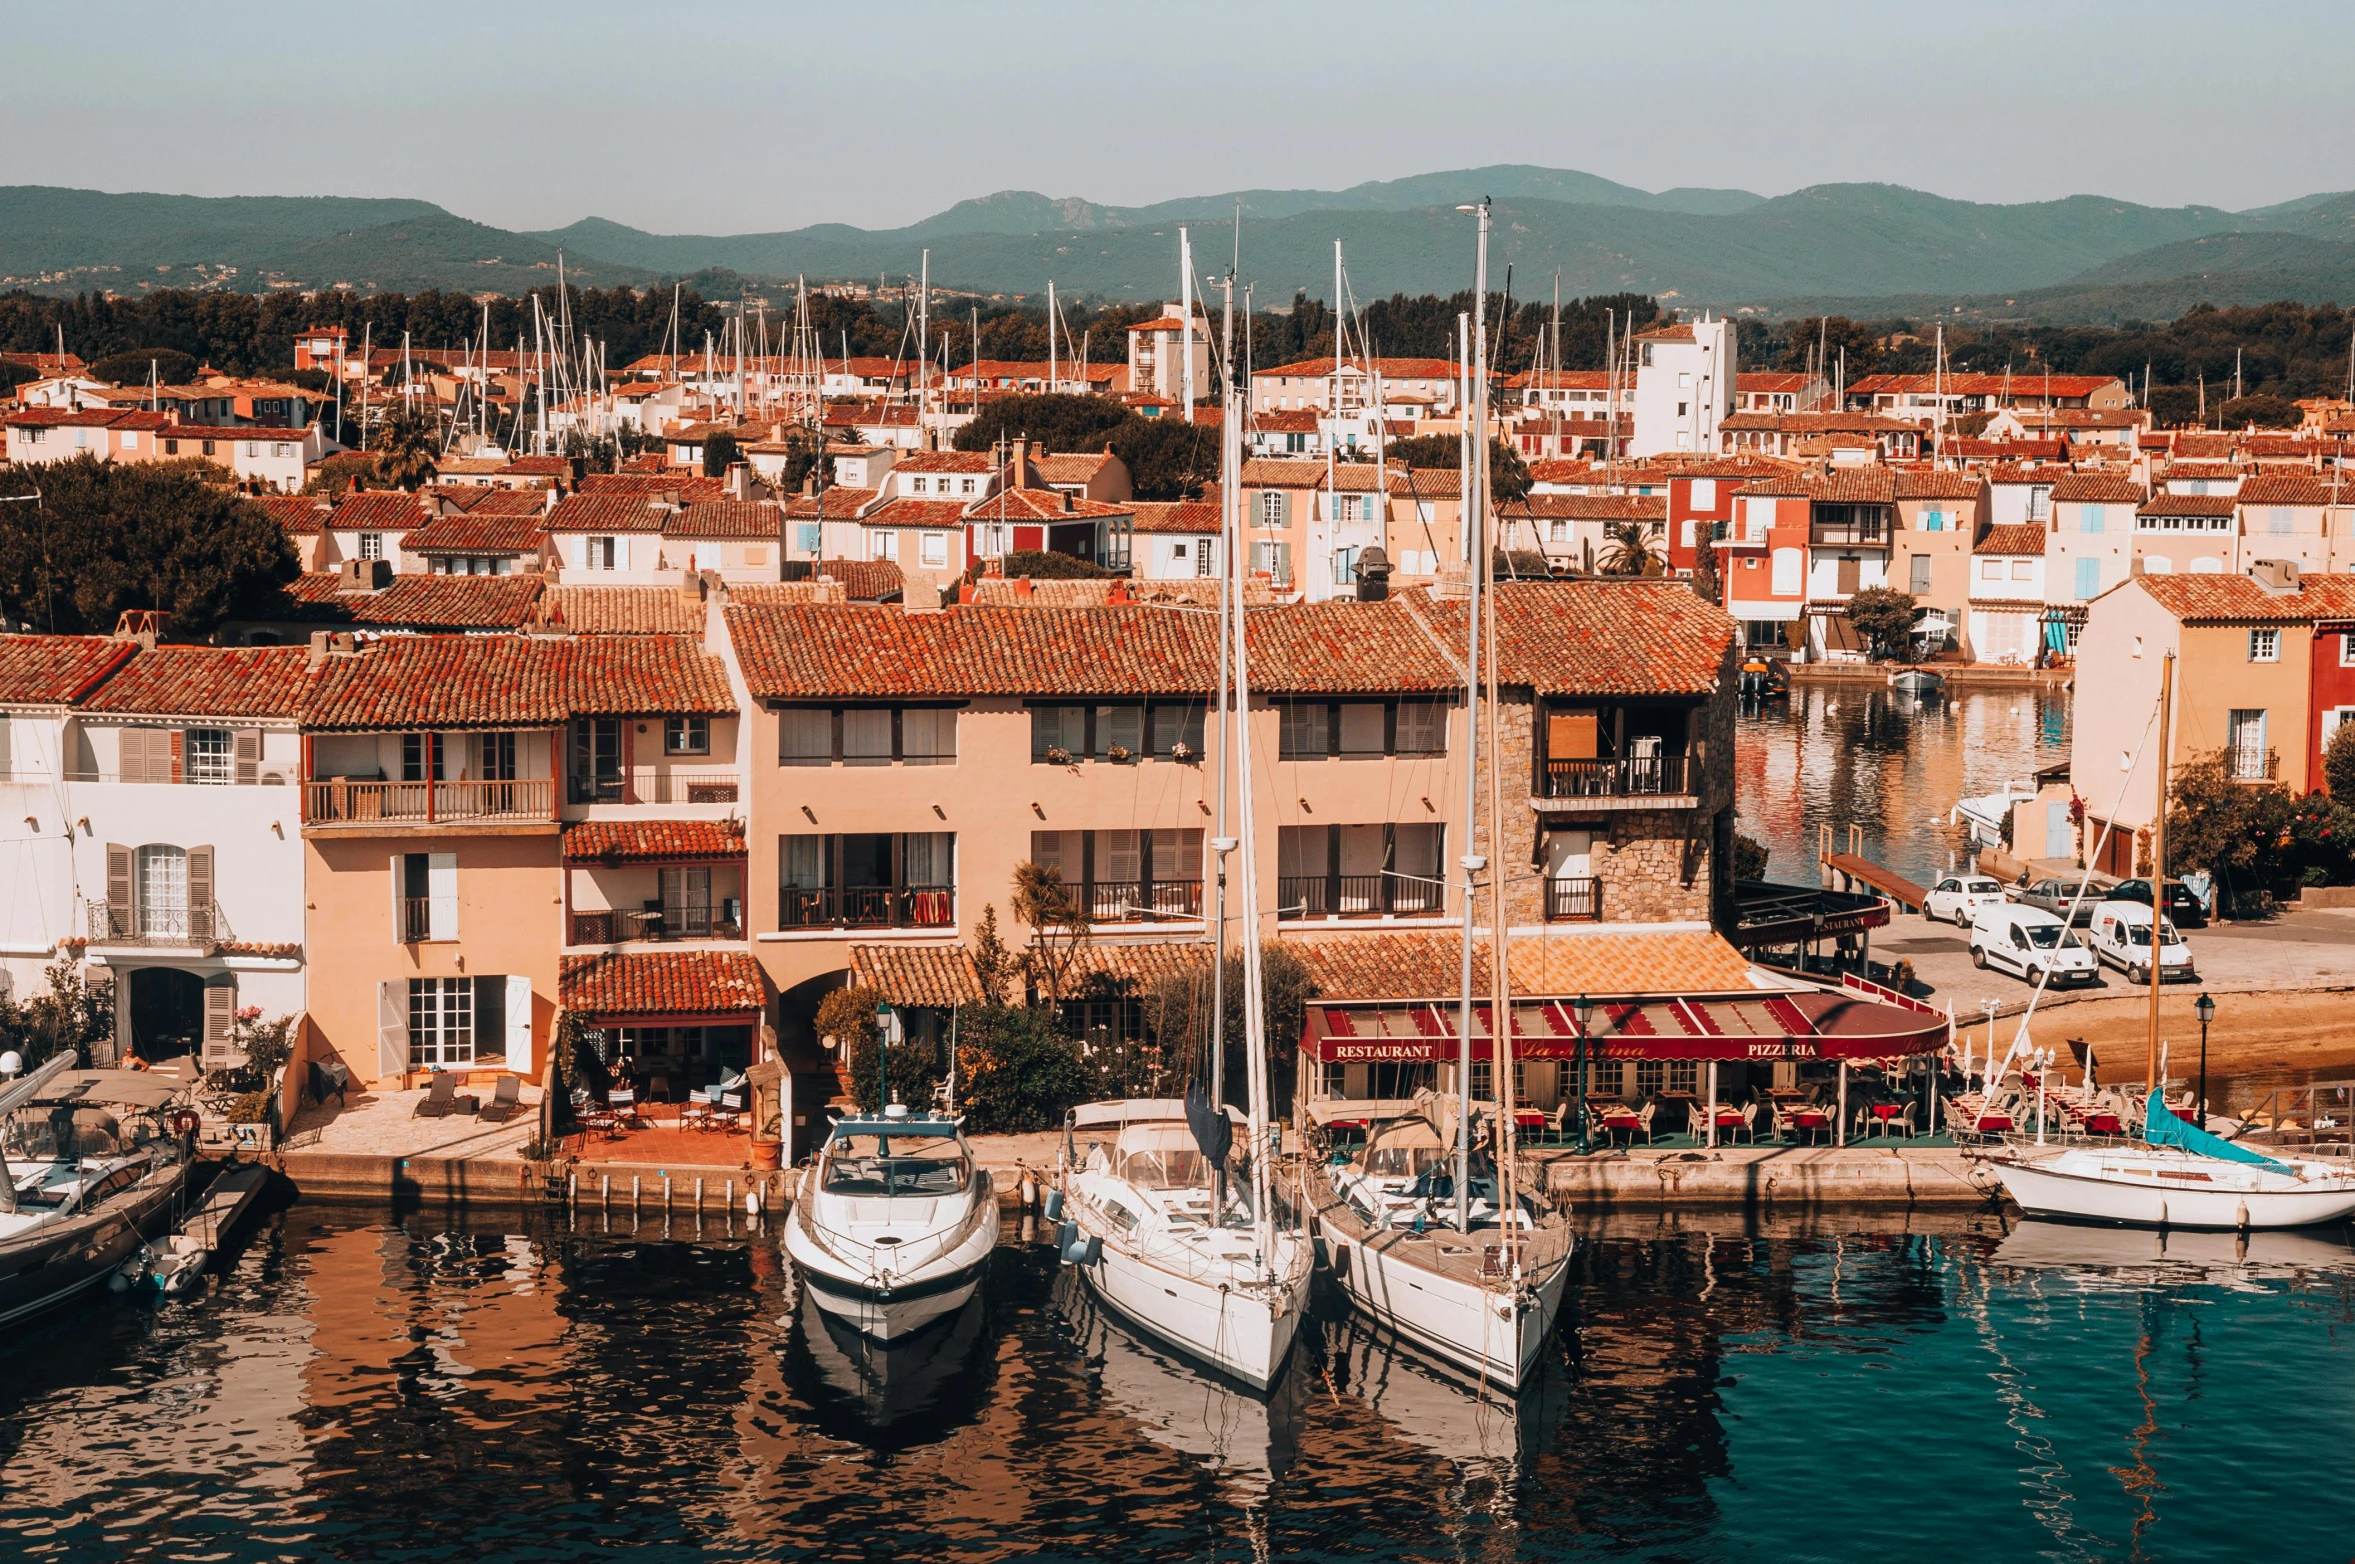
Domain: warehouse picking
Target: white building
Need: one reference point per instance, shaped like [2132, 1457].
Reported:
[1684, 384]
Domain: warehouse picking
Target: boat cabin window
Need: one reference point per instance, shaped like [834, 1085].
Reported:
[1161, 1156]
[65, 1132]
[110, 1186]
[895, 1164]
[1404, 1159]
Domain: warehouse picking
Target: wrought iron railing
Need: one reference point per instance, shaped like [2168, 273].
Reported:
[1358, 896]
[868, 907]
[1633, 776]
[1573, 901]
[617, 926]
[114, 923]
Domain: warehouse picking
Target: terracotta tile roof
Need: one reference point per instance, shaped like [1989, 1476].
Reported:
[1425, 965]
[1600, 637]
[2099, 488]
[658, 983]
[300, 514]
[620, 610]
[2287, 488]
[686, 487]
[473, 532]
[944, 461]
[605, 513]
[2220, 472]
[1276, 472]
[377, 510]
[838, 503]
[1750, 380]
[209, 681]
[1076, 467]
[2197, 444]
[2022, 384]
[2018, 538]
[1938, 484]
[57, 670]
[100, 418]
[727, 519]
[1860, 485]
[932, 975]
[772, 594]
[1042, 505]
[1563, 469]
[1298, 420]
[948, 514]
[1343, 648]
[1105, 968]
[2222, 599]
[538, 467]
[490, 681]
[801, 653]
[866, 580]
[1180, 516]
[2163, 504]
[507, 502]
[1029, 592]
[412, 602]
[653, 841]
[1590, 507]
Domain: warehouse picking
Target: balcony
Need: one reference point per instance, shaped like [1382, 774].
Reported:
[1573, 901]
[1132, 901]
[1639, 781]
[656, 785]
[338, 804]
[617, 927]
[199, 927]
[1359, 896]
[415, 915]
[868, 907]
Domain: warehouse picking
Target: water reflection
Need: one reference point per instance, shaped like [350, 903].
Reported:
[356, 1388]
[1860, 754]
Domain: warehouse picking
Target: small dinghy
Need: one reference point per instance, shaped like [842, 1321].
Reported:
[1916, 681]
[2181, 1176]
[168, 1266]
[893, 1223]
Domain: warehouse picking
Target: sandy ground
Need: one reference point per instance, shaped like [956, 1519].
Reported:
[2263, 1035]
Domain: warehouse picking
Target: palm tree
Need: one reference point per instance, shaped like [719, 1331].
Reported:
[1631, 551]
[407, 443]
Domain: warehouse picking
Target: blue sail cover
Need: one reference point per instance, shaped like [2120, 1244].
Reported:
[2162, 1128]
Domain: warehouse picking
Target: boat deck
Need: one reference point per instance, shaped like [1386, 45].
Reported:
[1476, 1258]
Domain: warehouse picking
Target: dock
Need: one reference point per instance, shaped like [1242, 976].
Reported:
[226, 1200]
[1846, 871]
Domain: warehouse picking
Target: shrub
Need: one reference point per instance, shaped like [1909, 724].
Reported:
[1016, 1070]
[1749, 858]
[252, 1108]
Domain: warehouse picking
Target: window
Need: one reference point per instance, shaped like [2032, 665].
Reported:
[868, 880]
[2023, 570]
[2091, 518]
[916, 485]
[2089, 580]
[130, 441]
[1933, 521]
[2245, 754]
[281, 449]
[1787, 570]
[2278, 520]
[965, 486]
[1274, 561]
[1345, 567]
[1918, 580]
[928, 735]
[1307, 732]
[372, 545]
[805, 736]
[1704, 494]
[441, 1021]
[1422, 728]
[883, 544]
[207, 757]
[425, 897]
[600, 554]
[808, 536]
[596, 760]
[686, 735]
[494, 756]
[163, 892]
[1274, 509]
[421, 757]
[933, 548]
[2347, 650]
[2039, 501]
[2265, 646]
[867, 735]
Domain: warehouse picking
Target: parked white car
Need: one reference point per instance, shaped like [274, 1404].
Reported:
[2028, 941]
[1957, 898]
[2121, 935]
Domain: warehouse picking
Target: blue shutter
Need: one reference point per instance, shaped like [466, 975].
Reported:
[2089, 578]
[808, 536]
[2091, 518]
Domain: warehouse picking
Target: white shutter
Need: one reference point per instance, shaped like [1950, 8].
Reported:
[400, 887]
[519, 1025]
[441, 885]
[621, 553]
[392, 1028]
[707, 556]
[579, 551]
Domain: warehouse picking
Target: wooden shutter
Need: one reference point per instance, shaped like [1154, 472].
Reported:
[392, 1028]
[118, 886]
[519, 1025]
[1283, 508]
[441, 882]
[1570, 735]
[178, 741]
[200, 894]
[249, 755]
[220, 1020]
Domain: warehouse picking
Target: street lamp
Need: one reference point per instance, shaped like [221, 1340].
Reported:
[1585, 1009]
[2205, 1009]
[882, 1054]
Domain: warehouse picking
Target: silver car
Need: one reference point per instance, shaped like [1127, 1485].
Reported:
[2055, 897]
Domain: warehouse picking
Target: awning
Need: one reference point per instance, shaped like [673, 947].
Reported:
[1770, 914]
[1806, 1025]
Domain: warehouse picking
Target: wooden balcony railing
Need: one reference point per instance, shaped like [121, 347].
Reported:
[426, 803]
[868, 907]
[1634, 776]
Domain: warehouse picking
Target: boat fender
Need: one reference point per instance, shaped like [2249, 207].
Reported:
[1054, 1205]
[184, 1122]
[1030, 1193]
[2240, 1215]
[1340, 1258]
[1066, 1236]
[1086, 1251]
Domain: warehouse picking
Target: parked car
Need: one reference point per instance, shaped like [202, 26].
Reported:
[2056, 896]
[2027, 941]
[2121, 936]
[1957, 898]
[2182, 905]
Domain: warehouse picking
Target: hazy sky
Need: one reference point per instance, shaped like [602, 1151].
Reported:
[735, 117]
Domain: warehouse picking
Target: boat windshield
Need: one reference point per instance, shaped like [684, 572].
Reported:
[1161, 1156]
[896, 1165]
[63, 1132]
[1406, 1149]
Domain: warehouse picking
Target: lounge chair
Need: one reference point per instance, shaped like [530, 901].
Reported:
[623, 1102]
[441, 1096]
[506, 1100]
[727, 1110]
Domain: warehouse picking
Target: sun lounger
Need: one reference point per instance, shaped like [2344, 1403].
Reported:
[506, 1100]
[441, 1096]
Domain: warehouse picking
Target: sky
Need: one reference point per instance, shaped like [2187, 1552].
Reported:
[732, 118]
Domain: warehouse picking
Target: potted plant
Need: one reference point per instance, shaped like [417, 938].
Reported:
[1120, 754]
[1057, 755]
[1182, 752]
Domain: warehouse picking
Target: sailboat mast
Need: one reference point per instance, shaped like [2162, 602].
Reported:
[1185, 325]
[924, 355]
[2150, 1060]
[1500, 1029]
[1222, 844]
[1254, 1011]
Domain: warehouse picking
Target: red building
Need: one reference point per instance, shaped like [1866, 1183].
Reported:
[2332, 696]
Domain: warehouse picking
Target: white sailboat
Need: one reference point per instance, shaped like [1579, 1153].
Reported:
[1462, 1265]
[1165, 1233]
[893, 1223]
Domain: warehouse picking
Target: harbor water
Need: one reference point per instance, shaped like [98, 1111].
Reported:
[360, 1386]
[1857, 753]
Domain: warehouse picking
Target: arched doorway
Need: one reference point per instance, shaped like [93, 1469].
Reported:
[167, 1013]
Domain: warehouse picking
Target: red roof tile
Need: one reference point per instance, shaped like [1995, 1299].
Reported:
[2287, 488]
[2098, 488]
[653, 841]
[376, 510]
[2164, 504]
[2017, 538]
[56, 670]
[1425, 965]
[484, 681]
[929, 975]
[2223, 599]
[1938, 484]
[474, 532]
[920, 513]
[837, 503]
[727, 519]
[300, 514]
[605, 513]
[208, 681]
[1589, 507]
[657, 983]
[1602, 637]
[621, 610]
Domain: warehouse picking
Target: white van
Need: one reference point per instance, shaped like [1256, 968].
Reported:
[2121, 935]
[2029, 941]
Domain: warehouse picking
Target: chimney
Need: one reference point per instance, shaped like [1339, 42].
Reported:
[2277, 576]
[1065, 494]
[1373, 575]
[1021, 465]
[363, 575]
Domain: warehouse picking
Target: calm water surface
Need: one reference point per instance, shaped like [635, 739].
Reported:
[1842, 755]
[357, 1387]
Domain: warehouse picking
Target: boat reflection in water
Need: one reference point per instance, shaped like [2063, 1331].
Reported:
[1480, 1429]
[2179, 1254]
[1252, 1436]
[916, 1389]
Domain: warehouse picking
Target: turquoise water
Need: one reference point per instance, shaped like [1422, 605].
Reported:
[356, 1387]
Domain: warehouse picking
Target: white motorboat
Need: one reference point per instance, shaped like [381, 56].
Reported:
[90, 1163]
[2179, 1177]
[1386, 1219]
[1222, 1283]
[893, 1223]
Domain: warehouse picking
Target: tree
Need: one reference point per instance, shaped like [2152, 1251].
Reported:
[1059, 922]
[407, 443]
[1632, 550]
[852, 1018]
[1016, 1070]
[2237, 831]
[1168, 458]
[720, 452]
[1885, 617]
[1749, 858]
[1508, 475]
[72, 1015]
[2265, 411]
[111, 536]
[2338, 763]
[1049, 423]
[997, 967]
[1833, 336]
[1178, 1010]
[171, 367]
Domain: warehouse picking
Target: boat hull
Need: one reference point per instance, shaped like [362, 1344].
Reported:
[1244, 1335]
[54, 1265]
[893, 1305]
[1477, 1332]
[2042, 1189]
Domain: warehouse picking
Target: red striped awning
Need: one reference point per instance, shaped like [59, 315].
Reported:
[1802, 1025]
